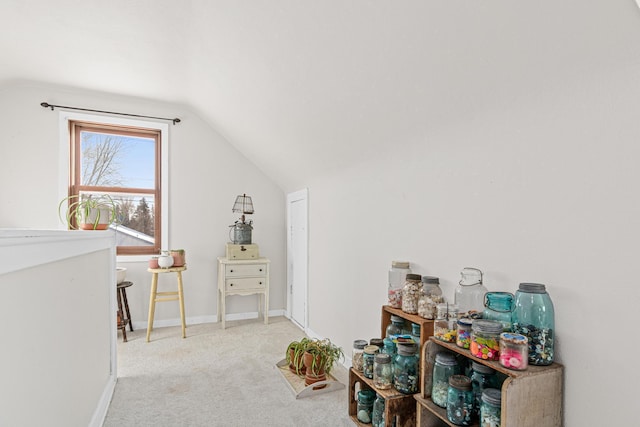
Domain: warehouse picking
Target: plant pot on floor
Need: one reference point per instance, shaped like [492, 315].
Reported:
[314, 369]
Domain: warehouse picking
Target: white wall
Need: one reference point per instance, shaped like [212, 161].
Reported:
[543, 189]
[205, 175]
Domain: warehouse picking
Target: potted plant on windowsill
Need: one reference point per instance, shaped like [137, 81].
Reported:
[319, 359]
[88, 212]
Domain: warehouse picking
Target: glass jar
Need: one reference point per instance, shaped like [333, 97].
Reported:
[482, 377]
[430, 297]
[463, 334]
[365, 406]
[395, 327]
[405, 369]
[377, 419]
[377, 342]
[485, 339]
[445, 326]
[397, 277]
[411, 293]
[382, 371]
[469, 295]
[444, 367]
[357, 354]
[533, 317]
[514, 351]
[370, 352]
[490, 408]
[389, 347]
[460, 400]
[499, 306]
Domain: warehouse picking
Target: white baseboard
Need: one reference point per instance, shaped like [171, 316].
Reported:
[100, 413]
[206, 319]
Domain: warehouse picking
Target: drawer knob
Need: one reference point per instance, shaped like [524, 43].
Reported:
[260, 269]
[230, 284]
[261, 283]
[231, 271]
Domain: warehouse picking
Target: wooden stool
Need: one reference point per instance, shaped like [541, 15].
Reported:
[165, 296]
[121, 293]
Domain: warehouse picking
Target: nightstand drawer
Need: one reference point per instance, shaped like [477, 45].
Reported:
[243, 270]
[242, 283]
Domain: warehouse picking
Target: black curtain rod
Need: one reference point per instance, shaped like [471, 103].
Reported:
[47, 105]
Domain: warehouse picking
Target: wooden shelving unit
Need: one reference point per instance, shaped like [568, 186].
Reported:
[426, 325]
[530, 398]
[398, 405]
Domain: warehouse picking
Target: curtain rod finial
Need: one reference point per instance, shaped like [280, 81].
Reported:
[46, 105]
[176, 120]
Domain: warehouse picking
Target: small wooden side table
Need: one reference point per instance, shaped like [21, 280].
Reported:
[165, 296]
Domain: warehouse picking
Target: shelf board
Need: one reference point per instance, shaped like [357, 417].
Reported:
[439, 412]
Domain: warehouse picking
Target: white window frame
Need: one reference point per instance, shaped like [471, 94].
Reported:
[64, 164]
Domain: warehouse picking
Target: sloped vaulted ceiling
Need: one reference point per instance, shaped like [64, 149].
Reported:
[301, 86]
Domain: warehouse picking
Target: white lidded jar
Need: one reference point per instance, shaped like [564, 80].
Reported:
[469, 296]
[397, 276]
[165, 260]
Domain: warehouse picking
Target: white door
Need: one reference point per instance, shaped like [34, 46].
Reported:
[297, 263]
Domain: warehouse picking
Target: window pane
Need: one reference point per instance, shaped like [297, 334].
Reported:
[110, 160]
[136, 220]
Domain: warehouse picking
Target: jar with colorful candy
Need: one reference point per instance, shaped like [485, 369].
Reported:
[445, 326]
[485, 339]
[463, 334]
[533, 317]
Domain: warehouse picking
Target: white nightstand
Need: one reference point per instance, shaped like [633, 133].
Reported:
[243, 277]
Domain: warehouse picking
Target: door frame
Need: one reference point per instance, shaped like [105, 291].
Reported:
[297, 196]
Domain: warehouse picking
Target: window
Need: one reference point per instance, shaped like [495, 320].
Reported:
[124, 163]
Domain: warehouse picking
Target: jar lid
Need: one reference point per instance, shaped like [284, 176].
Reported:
[487, 326]
[431, 279]
[382, 358]
[465, 321]
[482, 369]
[492, 396]
[371, 349]
[461, 382]
[400, 264]
[415, 277]
[396, 319]
[407, 348]
[359, 344]
[446, 358]
[376, 341]
[533, 288]
[514, 338]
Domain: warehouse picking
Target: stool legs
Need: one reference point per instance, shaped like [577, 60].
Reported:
[126, 307]
[181, 298]
[152, 303]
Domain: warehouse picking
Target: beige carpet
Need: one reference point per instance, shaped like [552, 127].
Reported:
[216, 377]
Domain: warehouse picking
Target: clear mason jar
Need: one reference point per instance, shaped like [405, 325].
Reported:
[430, 297]
[445, 327]
[445, 366]
[358, 354]
[397, 277]
[370, 352]
[463, 334]
[406, 369]
[365, 406]
[395, 327]
[490, 408]
[460, 400]
[485, 339]
[514, 351]
[411, 293]
[382, 371]
[498, 306]
[469, 294]
[533, 317]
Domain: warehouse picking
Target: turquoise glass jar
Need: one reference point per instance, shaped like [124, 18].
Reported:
[498, 306]
[377, 420]
[460, 400]
[365, 406]
[444, 367]
[482, 378]
[490, 408]
[534, 317]
[369, 355]
[405, 369]
[389, 347]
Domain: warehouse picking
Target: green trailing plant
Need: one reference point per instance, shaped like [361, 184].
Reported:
[294, 355]
[88, 212]
[325, 354]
